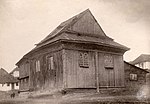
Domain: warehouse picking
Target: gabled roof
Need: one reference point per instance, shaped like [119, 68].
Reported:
[80, 28]
[5, 77]
[16, 69]
[141, 58]
[65, 27]
[136, 67]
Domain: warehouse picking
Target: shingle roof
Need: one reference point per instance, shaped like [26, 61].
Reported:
[63, 32]
[141, 58]
[57, 34]
[5, 77]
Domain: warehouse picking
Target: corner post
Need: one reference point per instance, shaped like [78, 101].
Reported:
[97, 71]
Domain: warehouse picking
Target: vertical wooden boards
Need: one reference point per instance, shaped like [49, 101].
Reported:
[71, 68]
[97, 71]
[88, 25]
[111, 80]
[64, 59]
[79, 77]
[103, 77]
[46, 78]
[58, 65]
[111, 77]
[119, 71]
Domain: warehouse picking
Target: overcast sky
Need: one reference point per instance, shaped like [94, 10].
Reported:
[24, 23]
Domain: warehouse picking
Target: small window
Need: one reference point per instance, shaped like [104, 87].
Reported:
[8, 84]
[16, 84]
[37, 66]
[83, 59]
[108, 61]
[133, 77]
[50, 63]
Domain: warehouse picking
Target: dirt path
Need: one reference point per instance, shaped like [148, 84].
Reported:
[79, 99]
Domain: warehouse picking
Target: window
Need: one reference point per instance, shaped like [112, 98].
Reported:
[37, 66]
[108, 61]
[133, 77]
[16, 84]
[83, 59]
[50, 63]
[8, 84]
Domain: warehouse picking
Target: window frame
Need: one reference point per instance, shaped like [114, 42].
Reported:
[108, 61]
[50, 62]
[83, 60]
[37, 66]
[133, 77]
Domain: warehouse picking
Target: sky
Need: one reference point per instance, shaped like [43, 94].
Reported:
[24, 23]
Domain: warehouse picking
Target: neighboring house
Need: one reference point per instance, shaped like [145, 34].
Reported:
[143, 61]
[15, 73]
[135, 77]
[7, 81]
[77, 54]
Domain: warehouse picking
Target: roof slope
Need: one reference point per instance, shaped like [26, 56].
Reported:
[83, 28]
[141, 58]
[5, 77]
[63, 26]
[83, 24]
[136, 67]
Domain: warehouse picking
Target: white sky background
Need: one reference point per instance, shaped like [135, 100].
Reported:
[24, 23]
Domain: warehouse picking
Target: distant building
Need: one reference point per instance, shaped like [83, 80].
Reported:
[7, 81]
[143, 61]
[77, 54]
[135, 77]
[15, 73]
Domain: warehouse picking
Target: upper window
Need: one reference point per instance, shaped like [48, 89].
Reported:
[83, 59]
[133, 77]
[50, 63]
[108, 61]
[37, 66]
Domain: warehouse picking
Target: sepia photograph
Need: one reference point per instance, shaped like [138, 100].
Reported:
[74, 52]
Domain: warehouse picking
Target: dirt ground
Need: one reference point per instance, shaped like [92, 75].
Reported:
[78, 99]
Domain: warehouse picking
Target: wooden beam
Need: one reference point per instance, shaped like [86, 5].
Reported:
[64, 69]
[97, 71]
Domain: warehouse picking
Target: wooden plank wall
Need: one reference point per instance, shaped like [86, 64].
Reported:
[111, 77]
[88, 25]
[24, 69]
[23, 75]
[47, 78]
[78, 77]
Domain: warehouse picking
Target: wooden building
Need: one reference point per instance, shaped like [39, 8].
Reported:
[77, 54]
[143, 61]
[135, 78]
